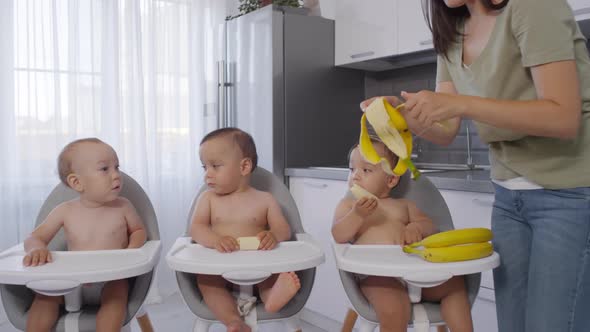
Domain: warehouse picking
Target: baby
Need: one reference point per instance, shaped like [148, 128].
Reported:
[231, 208]
[97, 220]
[392, 221]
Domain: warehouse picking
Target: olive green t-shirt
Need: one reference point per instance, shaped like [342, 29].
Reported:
[527, 33]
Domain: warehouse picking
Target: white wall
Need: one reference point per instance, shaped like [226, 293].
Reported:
[328, 8]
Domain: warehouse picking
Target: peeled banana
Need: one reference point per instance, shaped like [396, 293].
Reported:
[360, 192]
[392, 129]
[455, 237]
[453, 253]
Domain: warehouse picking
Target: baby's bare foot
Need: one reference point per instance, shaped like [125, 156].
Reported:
[282, 291]
[238, 326]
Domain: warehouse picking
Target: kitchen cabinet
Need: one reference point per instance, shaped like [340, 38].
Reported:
[365, 30]
[316, 201]
[468, 210]
[581, 8]
[413, 31]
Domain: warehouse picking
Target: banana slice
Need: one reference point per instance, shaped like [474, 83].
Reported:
[360, 192]
[248, 243]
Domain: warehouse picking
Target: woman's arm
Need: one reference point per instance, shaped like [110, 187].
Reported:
[555, 113]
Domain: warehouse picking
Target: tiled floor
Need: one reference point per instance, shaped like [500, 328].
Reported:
[173, 315]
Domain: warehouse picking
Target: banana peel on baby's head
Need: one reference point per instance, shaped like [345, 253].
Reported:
[392, 129]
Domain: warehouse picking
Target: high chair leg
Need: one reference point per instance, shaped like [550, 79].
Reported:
[349, 321]
[145, 325]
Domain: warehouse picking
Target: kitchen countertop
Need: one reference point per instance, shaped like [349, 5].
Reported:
[464, 180]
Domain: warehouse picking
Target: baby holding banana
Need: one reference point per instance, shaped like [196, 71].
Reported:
[373, 217]
[232, 215]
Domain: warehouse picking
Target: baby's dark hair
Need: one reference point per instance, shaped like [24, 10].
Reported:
[64, 160]
[244, 141]
[391, 157]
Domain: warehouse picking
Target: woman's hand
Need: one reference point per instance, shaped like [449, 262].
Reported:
[393, 100]
[428, 108]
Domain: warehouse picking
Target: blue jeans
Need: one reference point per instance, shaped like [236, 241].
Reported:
[543, 238]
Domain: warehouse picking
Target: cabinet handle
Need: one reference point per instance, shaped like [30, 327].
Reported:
[315, 185]
[426, 42]
[362, 55]
[484, 202]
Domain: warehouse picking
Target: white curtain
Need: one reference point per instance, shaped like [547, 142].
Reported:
[138, 74]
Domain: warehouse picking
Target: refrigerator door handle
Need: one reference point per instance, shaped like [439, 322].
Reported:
[221, 106]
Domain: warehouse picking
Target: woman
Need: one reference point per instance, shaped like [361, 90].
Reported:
[520, 70]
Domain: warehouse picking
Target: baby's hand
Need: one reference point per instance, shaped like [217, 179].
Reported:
[365, 206]
[412, 233]
[227, 244]
[267, 240]
[38, 256]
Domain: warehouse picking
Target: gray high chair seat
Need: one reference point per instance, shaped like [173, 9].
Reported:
[262, 180]
[17, 299]
[428, 199]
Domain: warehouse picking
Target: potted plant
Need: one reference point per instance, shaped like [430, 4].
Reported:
[247, 6]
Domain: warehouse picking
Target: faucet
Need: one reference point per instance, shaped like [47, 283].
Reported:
[470, 163]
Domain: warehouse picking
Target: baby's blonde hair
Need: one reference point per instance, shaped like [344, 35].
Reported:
[64, 160]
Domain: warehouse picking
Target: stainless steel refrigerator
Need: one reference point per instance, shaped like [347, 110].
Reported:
[278, 82]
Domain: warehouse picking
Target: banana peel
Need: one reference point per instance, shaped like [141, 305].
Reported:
[392, 129]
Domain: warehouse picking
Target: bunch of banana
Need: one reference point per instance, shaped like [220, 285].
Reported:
[392, 129]
[455, 245]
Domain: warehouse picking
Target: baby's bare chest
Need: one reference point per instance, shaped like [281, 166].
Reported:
[104, 229]
[247, 211]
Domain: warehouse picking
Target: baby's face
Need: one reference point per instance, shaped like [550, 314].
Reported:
[371, 177]
[97, 167]
[221, 158]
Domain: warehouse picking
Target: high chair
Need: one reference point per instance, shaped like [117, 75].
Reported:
[71, 269]
[247, 268]
[391, 261]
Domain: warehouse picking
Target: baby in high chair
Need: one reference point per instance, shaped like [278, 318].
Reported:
[230, 209]
[385, 220]
[97, 220]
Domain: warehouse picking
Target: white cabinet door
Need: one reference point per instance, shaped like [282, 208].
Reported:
[316, 200]
[365, 30]
[581, 8]
[413, 32]
[470, 210]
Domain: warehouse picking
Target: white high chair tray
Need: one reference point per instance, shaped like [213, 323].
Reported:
[78, 267]
[297, 255]
[391, 261]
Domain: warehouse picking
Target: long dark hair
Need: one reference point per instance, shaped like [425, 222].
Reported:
[443, 22]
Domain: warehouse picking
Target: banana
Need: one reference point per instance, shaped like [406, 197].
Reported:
[455, 237]
[368, 151]
[392, 129]
[360, 192]
[454, 253]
